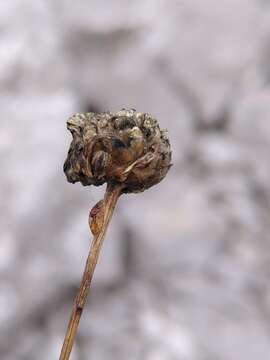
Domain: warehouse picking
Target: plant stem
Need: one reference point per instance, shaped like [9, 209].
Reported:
[108, 204]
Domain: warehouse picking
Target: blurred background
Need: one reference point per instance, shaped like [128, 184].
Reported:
[184, 271]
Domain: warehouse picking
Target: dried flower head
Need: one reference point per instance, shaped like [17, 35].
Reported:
[126, 147]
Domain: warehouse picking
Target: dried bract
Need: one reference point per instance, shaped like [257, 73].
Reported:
[126, 147]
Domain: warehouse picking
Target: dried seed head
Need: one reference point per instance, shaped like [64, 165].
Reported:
[125, 147]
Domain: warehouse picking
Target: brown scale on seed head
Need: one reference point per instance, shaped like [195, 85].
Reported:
[126, 147]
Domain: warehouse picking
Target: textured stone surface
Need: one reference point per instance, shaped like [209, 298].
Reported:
[184, 272]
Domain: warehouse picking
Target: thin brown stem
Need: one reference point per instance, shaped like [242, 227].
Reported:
[101, 215]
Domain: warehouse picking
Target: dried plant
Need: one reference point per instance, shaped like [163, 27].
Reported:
[128, 151]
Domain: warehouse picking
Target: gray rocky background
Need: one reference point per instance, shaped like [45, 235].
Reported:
[184, 273]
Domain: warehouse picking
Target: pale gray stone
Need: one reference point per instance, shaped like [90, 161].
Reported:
[184, 271]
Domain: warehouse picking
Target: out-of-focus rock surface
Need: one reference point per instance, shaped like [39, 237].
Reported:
[184, 272]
